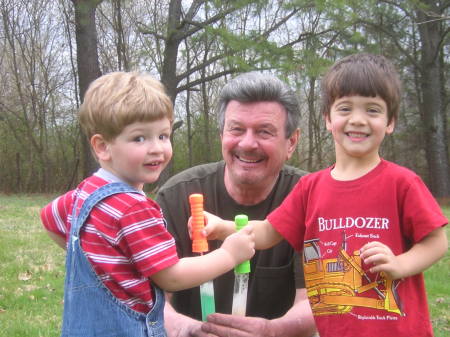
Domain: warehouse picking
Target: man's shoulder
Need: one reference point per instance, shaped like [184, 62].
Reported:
[195, 173]
[292, 171]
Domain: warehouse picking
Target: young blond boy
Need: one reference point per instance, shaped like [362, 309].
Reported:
[119, 253]
[367, 227]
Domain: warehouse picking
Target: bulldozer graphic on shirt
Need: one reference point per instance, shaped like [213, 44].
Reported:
[337, 285]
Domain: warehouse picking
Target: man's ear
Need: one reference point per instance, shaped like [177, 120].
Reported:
[100, 147]
[292, 143]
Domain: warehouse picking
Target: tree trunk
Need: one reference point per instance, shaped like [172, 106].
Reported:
[88, 64]
[432, 105]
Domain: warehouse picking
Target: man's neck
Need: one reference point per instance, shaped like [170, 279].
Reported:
[248, 194]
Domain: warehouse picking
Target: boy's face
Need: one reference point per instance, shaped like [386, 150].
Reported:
[358, 125]
[139, 153]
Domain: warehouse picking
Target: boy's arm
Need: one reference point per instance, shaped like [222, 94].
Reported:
[422, 255]
[265, 234]
[54, 218]
[192, 271]
[58, 239]
[218, 229]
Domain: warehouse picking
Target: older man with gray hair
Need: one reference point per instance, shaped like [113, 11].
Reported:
[258, 118]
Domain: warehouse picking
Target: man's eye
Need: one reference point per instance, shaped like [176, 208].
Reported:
[236, 130]
[265, 133]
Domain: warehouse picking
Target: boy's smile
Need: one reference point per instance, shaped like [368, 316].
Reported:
[359, 125]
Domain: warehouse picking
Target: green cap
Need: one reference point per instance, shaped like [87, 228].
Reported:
[241, 221]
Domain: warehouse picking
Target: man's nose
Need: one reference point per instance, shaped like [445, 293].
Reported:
[248, 140]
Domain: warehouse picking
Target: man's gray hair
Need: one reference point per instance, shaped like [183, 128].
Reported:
[258, 87]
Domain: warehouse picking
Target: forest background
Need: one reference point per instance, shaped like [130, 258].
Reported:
[50, 50]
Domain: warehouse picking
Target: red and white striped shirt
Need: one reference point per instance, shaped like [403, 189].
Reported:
[124, 238]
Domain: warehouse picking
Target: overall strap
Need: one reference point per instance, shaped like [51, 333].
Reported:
[90, 202]
[100, 194]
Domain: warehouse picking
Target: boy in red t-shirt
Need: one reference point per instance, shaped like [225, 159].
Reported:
[367, 227]
[119, 252]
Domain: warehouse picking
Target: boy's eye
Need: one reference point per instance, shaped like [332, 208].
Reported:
[164, 136]
[344, 108]
[374, 110]
[139, 139]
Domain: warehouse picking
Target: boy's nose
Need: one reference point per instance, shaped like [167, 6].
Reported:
[357, 117]
[155, 146]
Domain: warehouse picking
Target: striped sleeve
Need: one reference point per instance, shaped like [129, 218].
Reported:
[143, 233]
[56, 215]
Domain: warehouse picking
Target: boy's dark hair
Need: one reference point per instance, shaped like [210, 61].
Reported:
[365, 75]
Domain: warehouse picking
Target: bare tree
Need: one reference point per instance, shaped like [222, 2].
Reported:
[87, 61]
[32, 77]
[433, 32]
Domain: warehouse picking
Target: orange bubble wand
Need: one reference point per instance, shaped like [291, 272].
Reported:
[199, 242]
[200, 245]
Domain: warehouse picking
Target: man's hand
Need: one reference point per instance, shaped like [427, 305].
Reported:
[189, 329]
[178, 325]
[297, 322]
[223, 325]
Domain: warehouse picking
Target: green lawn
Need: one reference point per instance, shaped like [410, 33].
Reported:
[32, 274]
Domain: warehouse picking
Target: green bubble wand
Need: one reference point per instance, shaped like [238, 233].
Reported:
[241, 276]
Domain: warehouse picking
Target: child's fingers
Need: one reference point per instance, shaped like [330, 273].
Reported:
[377, 258]
[373, 248]
[372, 244]
[247, 229]
[189, 224]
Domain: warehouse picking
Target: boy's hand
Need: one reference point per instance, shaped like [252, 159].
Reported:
[382, 259]
[241, 245]
[216, 228]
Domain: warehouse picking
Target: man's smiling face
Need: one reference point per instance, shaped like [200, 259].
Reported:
[254, 143]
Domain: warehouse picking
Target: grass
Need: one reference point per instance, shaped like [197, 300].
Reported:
[31, 271]
[32, 274]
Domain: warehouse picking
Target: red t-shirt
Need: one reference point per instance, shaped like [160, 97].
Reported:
[331, 220]
[124, 238]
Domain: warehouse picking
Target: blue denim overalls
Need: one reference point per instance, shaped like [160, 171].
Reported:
[90, 309]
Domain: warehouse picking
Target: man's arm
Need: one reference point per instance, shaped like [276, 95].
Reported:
[297, 322]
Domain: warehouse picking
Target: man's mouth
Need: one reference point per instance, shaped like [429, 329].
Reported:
[249, 160]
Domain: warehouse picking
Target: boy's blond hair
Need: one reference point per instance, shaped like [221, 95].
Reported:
[118, 99]
[363, 75]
